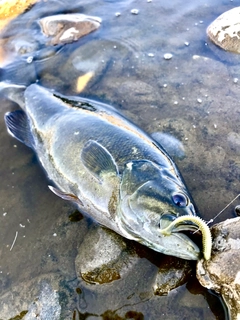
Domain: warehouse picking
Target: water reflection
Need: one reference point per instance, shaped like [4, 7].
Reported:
[192, 96]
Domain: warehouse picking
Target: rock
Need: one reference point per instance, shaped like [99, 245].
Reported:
[90, 58]
[66, 28]
[47, 305]
[222, 272]
[10, 9]
[114, 271]
[104, 256]
[37, 298]
[225, 30]
[171, 275]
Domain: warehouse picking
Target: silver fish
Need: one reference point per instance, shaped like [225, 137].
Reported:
[114, 171]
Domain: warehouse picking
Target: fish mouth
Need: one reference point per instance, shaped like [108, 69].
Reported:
[176, 237]
[180, 245]
[171, 227]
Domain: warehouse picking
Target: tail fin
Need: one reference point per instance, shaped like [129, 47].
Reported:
[13, 92]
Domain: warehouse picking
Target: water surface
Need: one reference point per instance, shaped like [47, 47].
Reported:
[193, 96]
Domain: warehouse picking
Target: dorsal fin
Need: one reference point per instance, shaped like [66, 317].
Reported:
[171, 144]
[98, 159]
[76, 103]
[18, 126]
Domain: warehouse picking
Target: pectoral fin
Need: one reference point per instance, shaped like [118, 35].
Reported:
[172, 145]
[98, 160]
[65, 195]
[18, 126]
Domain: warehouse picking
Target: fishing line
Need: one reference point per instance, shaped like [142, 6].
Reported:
[211, 220]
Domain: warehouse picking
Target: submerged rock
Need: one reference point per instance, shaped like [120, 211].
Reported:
[222, 272]
[47, 305]
[38, 298]
[171, 275]
[225, 30]
[65, 28]
[104, 256]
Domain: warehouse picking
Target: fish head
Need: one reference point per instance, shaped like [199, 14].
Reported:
[150, 199]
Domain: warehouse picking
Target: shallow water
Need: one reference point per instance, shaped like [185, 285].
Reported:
[193, 96]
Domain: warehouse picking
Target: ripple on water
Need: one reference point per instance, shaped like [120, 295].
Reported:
[126, 58]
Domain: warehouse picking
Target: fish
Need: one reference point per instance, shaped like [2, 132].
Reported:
[115, 172]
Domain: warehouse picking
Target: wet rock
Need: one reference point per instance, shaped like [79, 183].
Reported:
[38, 298]
[11, 9]
[171, 276]
[225, 30]
[46, 306]
[66, 28]
[104, 256]
[90, 58]
[222, 272]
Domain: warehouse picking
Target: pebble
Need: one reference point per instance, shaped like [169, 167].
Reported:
[167, 56]
[30, 59]
[134, 11]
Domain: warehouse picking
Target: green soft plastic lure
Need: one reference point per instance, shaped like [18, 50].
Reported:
[203, 227]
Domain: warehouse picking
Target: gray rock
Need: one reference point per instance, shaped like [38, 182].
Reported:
[47, 306]
[225, 30]
[65, 28]
[91, 57]
[38, 298]
[171, 276]
[104, 256]
[222, 272]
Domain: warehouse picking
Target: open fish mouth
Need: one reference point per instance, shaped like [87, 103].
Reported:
[188, 223]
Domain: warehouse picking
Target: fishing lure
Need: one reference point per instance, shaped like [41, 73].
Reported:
[203, 227]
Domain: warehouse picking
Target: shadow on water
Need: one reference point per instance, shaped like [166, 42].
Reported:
[191, 96]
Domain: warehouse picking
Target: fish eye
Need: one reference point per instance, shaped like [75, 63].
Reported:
[180, 200]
